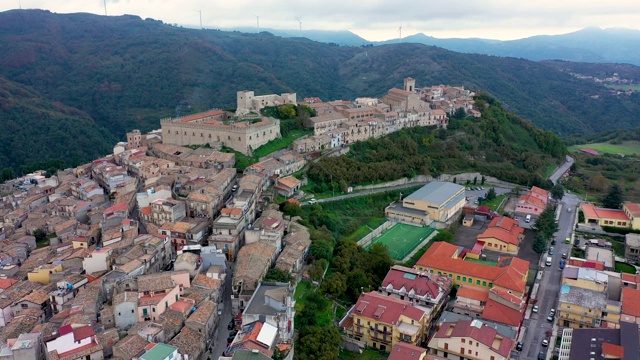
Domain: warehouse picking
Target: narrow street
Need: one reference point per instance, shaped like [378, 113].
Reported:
[221, 334]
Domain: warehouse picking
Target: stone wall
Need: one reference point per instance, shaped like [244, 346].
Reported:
[423, 179]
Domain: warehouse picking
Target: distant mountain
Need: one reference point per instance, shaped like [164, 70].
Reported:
[591, 44]
[339, 37]
[118, 73]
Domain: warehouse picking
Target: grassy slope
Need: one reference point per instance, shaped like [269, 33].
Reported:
[626, 148]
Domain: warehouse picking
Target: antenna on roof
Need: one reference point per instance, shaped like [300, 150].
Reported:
[300, 22]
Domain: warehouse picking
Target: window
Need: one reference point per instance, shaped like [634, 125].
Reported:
[153, 309]
[470, 342]
[132, 311]
[477, 282]
[463, 340]
[484, 283]
[176, 297]
[24, 306]
[464, 278]
[144, 312]
[458, 277]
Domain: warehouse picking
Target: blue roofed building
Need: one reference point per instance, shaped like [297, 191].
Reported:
[433, 204]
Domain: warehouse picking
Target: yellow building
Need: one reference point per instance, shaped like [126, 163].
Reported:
[605, 217]
[470, 339]
[436, 201]
[632, 210]
[442, 258]
[42, 273]
[381, 321]
[579, 308]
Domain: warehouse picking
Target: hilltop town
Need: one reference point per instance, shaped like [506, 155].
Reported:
[165, 250]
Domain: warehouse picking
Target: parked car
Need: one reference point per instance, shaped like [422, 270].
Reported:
[553, 242]
[564, 255]
[233, 333]
[550, 318]
[231, 325]
[542, 355]
[551, 250]
[562, 264]
[552, 312]
[312, 201]
[519, 346]
[545, 342]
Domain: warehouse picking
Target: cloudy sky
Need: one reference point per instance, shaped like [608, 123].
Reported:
[372, 19]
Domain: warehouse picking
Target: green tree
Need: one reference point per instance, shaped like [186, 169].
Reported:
[491, 194]
[321, 249]
[580, 216]
[546, 224]
[614, 198]
[475, 180]
[40, 235]
[539, 243]
[455, 180]
[557, 192]
[292, 209]
[482, 180]
[335, 284]
[278, 275]
[319, 344]
[317, 269]
[287, 111]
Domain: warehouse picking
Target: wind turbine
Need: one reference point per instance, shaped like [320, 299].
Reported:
[400, 31]
[200, 11]
[300, 22]
[257, 21]
[105, 7]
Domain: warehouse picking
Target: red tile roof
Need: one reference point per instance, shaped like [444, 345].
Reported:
[7, 282]
[530, 199]
[473, 292]
[501, 235]
[203, 115]
[478, 331]
[440, 256]
[404, 351]
[385, 309]
[421, 285]
[539, 191]
[612, 351]
[633, 208]
[116, 207]
[495, 311]
[83, 333]
[630, 301]
[590, 211]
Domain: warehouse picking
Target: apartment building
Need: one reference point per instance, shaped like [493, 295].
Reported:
[470, 339]
[381, 321]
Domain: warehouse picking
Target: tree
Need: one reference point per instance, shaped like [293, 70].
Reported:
[557, 192]
[613, 199]
[580, 216]
[287, 111]
[292, 209]
[455, 180]
[40, 235]
[335, 284]
[321, 249]
[598, 182]
[319, 344]
[539, 243]
[475, 180]
[482, 180]
[546, 224]
[491, 194]
[317, 269]
[278, 275]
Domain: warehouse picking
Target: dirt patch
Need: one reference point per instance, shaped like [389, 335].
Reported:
[510, 205]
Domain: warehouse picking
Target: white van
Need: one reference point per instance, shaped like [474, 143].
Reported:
[528, 218]
[549, 260]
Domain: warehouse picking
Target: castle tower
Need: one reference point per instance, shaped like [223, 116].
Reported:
[409, 84]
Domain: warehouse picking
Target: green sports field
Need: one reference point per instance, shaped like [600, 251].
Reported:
[402, 239]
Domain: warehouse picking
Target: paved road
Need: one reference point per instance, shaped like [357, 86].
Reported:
[221, 334]
[561, 169]
[537, 326]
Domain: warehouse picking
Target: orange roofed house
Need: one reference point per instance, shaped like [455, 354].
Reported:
[381, 321]
[628, 217]
[533, 202]
[442, 258]
[503, 234]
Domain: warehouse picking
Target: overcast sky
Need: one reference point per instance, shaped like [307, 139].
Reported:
[372, 19]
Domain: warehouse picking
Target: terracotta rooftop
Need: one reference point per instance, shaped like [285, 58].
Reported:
[442, 256]
[590, 211]
[385, 309]
[155, 282]
[37, 297]
[473, 292]
[131, 346]
[205, 281]
[531, 199]
[630, 301]
[189, 342]
[406, 351]
[539, 191]
[495, 311]
[478, 331]
[203, 313]
[410, 279]
[633, 208]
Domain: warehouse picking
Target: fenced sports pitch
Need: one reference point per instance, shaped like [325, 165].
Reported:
[401, 239]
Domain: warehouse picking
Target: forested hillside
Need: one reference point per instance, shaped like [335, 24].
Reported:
[125, 73]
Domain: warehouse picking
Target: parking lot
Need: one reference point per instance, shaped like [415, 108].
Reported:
[467, 236]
